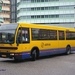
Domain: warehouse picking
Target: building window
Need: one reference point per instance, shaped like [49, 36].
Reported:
[38, 0]
[45, 16]
[42, 0]
[26, 0]
[42, 8]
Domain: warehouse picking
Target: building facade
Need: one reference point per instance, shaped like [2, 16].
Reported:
[51, 12]
[5, 13]
[13, 11]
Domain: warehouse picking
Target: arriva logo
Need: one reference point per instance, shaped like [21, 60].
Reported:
[42, 44]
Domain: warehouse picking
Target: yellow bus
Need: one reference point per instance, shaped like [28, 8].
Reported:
[22, 40]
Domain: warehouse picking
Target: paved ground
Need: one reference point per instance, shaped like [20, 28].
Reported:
[53, 65]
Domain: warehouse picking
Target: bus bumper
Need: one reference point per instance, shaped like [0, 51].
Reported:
[18, 56]
[6, 55]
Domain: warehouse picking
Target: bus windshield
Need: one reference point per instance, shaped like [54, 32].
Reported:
[7, 33]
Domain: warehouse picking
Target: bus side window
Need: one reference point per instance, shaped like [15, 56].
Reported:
[24, 35]
[61, 35]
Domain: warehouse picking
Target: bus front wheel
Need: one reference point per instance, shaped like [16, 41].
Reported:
[68, 50]
[34, 55]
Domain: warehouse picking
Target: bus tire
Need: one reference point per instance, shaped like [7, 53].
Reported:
[16, 59]
[34, 54]
[68, 50]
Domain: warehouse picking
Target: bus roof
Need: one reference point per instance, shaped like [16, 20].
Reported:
[46, 26]
[41, 26]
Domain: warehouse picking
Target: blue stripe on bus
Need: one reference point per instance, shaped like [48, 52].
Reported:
[73, 49]
[26, 55]
[52, 51]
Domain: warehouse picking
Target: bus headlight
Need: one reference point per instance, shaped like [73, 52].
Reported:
[12, 54]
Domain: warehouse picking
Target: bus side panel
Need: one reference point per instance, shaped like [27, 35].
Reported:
[46, 47]
[25, 55]
[64, 43]
[72, 44]
[62, 46]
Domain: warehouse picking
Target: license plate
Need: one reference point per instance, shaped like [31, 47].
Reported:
[3, 55]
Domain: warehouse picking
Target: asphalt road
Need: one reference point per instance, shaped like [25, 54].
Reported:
[51, 65]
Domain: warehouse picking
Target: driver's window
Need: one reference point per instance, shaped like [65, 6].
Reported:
[23, 35]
